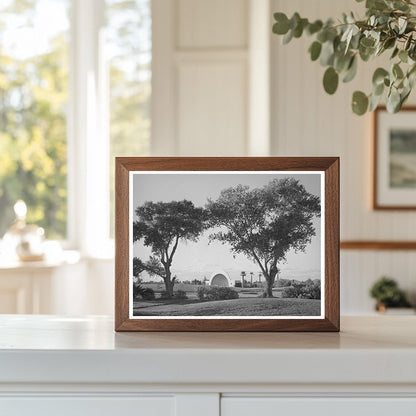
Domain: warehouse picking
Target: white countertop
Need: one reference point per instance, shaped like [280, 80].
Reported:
[52, 349]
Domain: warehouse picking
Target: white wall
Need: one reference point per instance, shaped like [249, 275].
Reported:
[211, 95]
[308, 122]
[200, 76]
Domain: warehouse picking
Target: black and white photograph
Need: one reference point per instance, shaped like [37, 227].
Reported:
[226, 244]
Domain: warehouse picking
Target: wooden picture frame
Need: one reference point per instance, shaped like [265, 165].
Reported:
[394, 184]
[137, 178]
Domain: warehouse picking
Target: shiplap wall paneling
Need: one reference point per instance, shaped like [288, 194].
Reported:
[212, 108]
[205, 102]
[212, 83]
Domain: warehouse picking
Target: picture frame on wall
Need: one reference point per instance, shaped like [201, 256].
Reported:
[394, 165]
[227, 244]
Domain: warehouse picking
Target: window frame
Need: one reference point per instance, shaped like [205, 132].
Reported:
[87, 133]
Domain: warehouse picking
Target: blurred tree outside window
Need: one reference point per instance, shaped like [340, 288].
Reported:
[129, 51]
[33, 102]
[34, 93]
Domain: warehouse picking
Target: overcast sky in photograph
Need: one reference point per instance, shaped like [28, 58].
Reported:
[200, 259]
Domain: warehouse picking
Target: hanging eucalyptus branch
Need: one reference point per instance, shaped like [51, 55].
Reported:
[389, 27]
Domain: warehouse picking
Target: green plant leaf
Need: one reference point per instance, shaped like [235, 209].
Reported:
[281, 27]
[374, 102]
[351, 71]
[395, 52]
[327, 53]
[393, 101]
[314, 27]
[298, 30]
[378, 89]
[359, 103]
[288, 37]
[397, 71]
[376, 4]
[330, 80]
[315, 50]
[379, 75]
[389, 43]
[403, 56]
[408, 42]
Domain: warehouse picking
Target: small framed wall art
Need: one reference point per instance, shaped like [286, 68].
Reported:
[227, 244]
[394, 150]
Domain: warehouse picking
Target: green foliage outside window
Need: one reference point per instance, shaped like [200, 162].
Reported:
[33, 99]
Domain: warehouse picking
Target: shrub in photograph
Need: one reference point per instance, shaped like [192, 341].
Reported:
[146, 293]
[180, 294]
[290, 292]
[216, 293]
[310, 289]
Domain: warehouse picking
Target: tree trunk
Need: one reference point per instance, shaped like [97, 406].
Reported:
[270, 279]
[168, 282]
[268, 290]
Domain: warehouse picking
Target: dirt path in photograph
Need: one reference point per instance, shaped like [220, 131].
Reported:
[235, 307]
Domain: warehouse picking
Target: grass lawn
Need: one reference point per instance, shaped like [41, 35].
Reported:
[234, 307]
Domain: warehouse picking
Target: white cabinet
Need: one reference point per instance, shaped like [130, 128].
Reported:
[271, 406]
[51, 365]
[87, 406]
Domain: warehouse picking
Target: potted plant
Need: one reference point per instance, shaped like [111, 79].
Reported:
[387, 294]
[389, 27]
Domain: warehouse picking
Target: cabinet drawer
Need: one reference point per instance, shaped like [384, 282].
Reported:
[87, 406]
[273, 406]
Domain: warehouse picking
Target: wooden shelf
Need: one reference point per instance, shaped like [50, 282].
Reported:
[378, 245]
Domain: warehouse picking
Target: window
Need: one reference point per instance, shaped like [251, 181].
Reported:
[75, 87]
[33, 97]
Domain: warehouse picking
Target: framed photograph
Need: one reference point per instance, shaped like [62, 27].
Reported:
[227, 244]
[394, 179]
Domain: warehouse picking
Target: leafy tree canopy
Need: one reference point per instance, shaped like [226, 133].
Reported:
[161, 225]
[265, 223]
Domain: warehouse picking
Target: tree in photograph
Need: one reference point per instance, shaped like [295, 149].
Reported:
[265, 223]
[160, 226]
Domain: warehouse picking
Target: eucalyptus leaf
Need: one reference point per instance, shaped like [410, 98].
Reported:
[281, 27]
[402, 22]
[341, 62]
[378, 89]
[393, 101]
[327, 54]
[408, 42]
[330, 80]
[404, 96]
[350, 73]
[389, 43]
[314, 27]
[298, 30]
[374, 101]
[376, 4]
[397, 71]
[359, 103]
[379, 75]
[288, 37]
[403, 56]
[315, 50]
